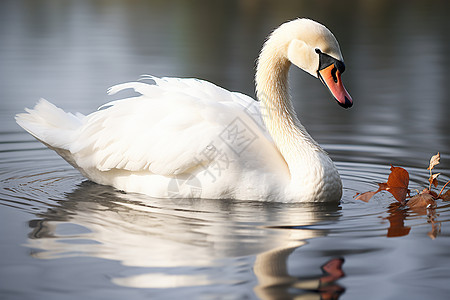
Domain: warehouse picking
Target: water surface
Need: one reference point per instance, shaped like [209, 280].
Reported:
[62, 237]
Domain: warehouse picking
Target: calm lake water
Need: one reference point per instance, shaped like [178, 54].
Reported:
[62, 237]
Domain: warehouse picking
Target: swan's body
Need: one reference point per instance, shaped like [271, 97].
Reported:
[190, 138]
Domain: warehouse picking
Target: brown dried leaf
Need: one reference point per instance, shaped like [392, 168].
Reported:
[366, 196]
[432, 193]
[434, 161]
[397, 183]
[399, 194]
[433, 179]
[445, 196]
[399, 177]
[382, 186]
[422, 200]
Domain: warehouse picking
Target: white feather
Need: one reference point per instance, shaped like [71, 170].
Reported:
[191, 138]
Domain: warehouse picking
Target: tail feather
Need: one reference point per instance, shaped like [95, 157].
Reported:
[50, 124]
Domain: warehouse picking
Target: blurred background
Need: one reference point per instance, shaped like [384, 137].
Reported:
[396, 53]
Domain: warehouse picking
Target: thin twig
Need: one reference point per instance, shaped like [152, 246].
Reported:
[431, 174]
[443, 188]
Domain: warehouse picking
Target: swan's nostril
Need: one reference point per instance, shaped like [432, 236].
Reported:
[333, 73]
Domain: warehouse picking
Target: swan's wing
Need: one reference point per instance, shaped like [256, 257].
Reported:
[166, 130]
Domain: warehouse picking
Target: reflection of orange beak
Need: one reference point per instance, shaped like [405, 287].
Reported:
[331, 78]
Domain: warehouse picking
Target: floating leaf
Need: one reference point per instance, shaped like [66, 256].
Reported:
[399, 177]
[434, 161]
[423, 203]
[445, 196]
[366, 196]
[433, 179]
[422, 200]
[397, 183]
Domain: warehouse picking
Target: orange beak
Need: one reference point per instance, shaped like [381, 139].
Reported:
[331, 78]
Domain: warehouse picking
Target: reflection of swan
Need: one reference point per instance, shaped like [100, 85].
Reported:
[171, 243]
[192, 128]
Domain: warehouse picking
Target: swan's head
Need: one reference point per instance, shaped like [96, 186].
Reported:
[313, 48]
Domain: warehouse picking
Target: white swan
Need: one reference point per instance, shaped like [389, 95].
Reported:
[191, 138]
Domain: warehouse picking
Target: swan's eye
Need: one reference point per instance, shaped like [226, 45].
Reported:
[333, 73]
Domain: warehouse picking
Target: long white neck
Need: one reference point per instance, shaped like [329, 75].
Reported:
[307, 161]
